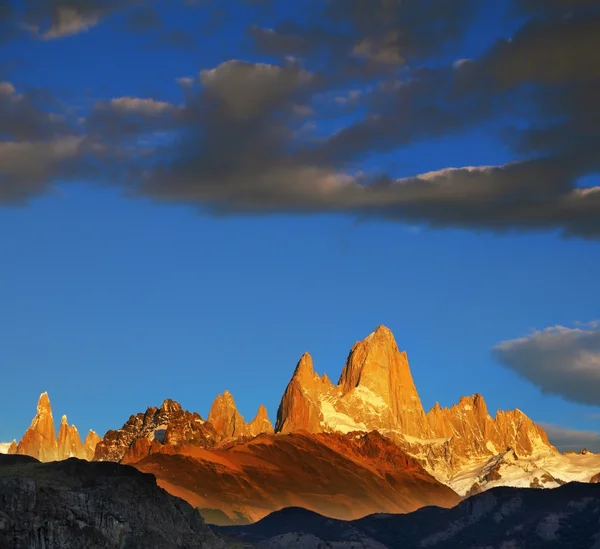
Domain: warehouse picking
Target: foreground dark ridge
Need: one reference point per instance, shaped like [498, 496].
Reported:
[501, 518]
[77, 504]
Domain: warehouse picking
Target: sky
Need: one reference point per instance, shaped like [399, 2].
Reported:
[194, 193]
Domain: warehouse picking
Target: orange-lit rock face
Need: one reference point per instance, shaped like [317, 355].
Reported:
[343, 476]
[39, 441]
[169, 425]
[89, 445]
[69, 442]
[229, 423]
[376, 392]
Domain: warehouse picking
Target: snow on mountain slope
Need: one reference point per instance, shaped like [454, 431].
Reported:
[4, 446]
[544, 469]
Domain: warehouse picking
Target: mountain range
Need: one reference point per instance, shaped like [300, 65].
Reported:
[363, 445]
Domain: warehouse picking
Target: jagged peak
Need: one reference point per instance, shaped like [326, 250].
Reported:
[261, 413]
[170, 406]
[223, 403]
[225, 396]
[63, 420]
[44, 404]
[381, 331]
[304, 366]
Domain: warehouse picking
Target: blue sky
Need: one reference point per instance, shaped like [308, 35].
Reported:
[204, 239]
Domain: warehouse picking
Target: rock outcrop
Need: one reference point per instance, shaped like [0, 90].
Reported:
[39, 441]
[169, 425]
[89, 445]
[229, 423]
[68, 442]
[75, 503]
[376, 392]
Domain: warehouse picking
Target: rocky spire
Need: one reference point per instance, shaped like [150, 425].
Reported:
[89, 445]
[376, 364]
[300, 408]
[39, 441]
[225, 418]
[69, 442]
[260, 424]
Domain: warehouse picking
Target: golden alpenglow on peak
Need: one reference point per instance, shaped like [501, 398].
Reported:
[376, 392]
[40, 441]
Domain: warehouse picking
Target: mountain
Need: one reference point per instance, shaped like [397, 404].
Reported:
[501, 518]
[40, 442]
[229, 423]
[8, 447]
[376, 391]
[340, 475]
[172, 426]
[75, 503]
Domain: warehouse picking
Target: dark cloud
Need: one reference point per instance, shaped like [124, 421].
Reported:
[21, 119]
[387, 32]
[243, 140]
[560, 361]
[28, 168]
[124, 117]
[566, 439]
[51, 19]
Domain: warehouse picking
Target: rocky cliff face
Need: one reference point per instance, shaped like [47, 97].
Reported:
[68, 442]
[89, 445]
[229, 423]
[39, 440]
[75, 503]
[169, 427]
[376, 392]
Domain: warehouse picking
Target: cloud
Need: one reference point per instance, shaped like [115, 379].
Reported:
[566, 439]
[248, 135]
[21, 118]
[560, 361]
[28, 168]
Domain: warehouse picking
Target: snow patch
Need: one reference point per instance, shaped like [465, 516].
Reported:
[369, 397]
[4, 446]
[336, 421]
[490, 446]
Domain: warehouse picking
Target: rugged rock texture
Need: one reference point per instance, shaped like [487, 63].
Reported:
[376, 392]
[169, 425]
[89, 445]
[229, 423]
[344, 476]
[68, 442]
[75, 503]
[39, 441]
[502, 518]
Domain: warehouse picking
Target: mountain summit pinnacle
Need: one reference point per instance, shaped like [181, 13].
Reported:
[376, 364]
[39, 441]
[374, 391]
